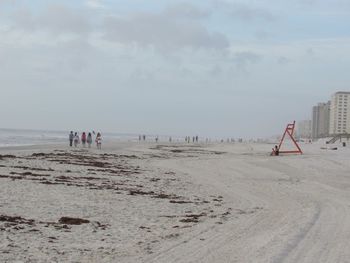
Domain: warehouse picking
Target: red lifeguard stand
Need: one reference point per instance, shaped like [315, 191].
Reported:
[289, 131]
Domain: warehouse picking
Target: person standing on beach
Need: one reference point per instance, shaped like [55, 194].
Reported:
[83, 139]
[71, 137]
[99, 141]
[76, 139]
[89, 140]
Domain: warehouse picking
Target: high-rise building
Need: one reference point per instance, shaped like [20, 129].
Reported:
[304, 129]
[339, 113]
[320, 120]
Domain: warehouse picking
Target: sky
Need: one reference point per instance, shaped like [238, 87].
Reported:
[216, 68]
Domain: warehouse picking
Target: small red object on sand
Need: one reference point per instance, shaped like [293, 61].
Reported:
[289, 131]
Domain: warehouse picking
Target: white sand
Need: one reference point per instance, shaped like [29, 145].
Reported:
[242, 205]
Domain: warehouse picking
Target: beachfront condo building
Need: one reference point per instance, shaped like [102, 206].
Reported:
[320, 120]
[339, 113]
[304, 129]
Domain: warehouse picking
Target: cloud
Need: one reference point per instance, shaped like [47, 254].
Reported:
[95, 4]
[186, 11]
[244, 11]
[6, 2]
[283, 60]
[310, 52]
[179, 26]
[55, 19]
[262, 34]
[244, 58]
[165, 31]
[216, 71]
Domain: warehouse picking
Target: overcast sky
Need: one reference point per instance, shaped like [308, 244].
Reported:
[208, 67]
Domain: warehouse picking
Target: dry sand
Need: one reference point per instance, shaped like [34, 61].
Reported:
[174, 203]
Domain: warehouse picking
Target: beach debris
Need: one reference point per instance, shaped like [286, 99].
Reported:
[7, 156]
[127, 175]
[16, 220]
[180, 202]
[28, 174]
[329, 148]
[33, 168]
[72, 221]
[193, 149]
[192, 218]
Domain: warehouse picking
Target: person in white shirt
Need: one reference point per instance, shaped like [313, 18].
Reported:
[76, 139]
[99, 141]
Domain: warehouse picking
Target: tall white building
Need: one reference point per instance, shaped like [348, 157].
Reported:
[320, 120]
[339, 113]
[304, 129]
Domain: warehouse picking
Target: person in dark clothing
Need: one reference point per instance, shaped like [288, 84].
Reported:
[276, 151]
[71, 137]
[89, 140]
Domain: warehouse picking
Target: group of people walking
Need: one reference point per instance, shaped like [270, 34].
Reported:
[84, 139]
[194, 139]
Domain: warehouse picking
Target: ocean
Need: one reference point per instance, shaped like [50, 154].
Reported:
[16, 137]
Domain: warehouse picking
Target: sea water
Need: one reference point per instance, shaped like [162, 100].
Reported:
[16, 137]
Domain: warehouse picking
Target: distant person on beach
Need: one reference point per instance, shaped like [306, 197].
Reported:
[275, 151]
[196, 138]
[157, 138]
[98, 141]
[71, 138]
[89, 140]
[83, 139]
[76, 139]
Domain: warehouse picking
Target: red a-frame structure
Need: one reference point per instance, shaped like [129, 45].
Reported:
[289, 131]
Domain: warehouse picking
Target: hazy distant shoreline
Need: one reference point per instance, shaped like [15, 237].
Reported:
[28, 137]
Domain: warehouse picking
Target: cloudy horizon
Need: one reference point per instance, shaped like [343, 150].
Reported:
[211, 67]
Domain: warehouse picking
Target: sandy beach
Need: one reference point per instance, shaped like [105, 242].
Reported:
[145, 202]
